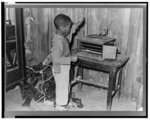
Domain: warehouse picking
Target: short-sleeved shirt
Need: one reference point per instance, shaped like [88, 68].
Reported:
[60, 52]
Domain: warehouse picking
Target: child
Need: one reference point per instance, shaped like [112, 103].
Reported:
[61, 59]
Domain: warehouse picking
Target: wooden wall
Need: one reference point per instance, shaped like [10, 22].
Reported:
[124, 24]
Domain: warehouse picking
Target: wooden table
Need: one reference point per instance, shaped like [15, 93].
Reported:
[110, 66]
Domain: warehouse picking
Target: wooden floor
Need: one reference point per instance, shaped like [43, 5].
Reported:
[92, 98]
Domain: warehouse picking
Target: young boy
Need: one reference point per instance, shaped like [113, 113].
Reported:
[61, 59]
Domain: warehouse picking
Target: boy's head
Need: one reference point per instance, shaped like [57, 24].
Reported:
[63, 23]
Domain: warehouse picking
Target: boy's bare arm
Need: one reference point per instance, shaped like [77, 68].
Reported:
[47, 60]
[56, 59]
[75, 27]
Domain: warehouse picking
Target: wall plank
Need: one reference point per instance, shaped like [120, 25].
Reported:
[131, 85]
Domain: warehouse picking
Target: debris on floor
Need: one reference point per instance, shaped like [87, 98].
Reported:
[92, 100]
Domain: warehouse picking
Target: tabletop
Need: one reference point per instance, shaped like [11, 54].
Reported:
[95, 58]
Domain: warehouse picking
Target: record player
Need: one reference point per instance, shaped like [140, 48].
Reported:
[97, 46]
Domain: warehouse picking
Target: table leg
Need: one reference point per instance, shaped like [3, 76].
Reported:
[119, 82]
[110, 89]
[80, 73]
[72, 72]
[73, 75]
[76, 72]
[114, 84]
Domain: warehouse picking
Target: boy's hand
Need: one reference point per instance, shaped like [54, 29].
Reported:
[76, 26]
[74, 58]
